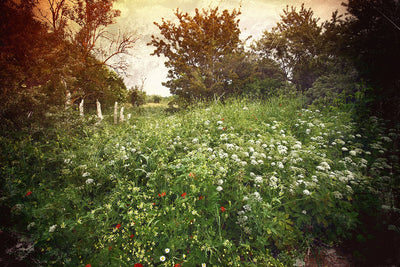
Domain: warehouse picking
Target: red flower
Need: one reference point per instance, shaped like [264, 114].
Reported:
[177, 265]
[299, 114]
[183, 194]
[154, 203]
[132, 235]
[222, 209]
[88, 265]
[201, 197]
[118, 226]
[222, 119]
[162, 194]
[109, 248]
[224, 128]
[27, 194]
[138, 265]
[192, 175]
[127, 205]
[280, 104]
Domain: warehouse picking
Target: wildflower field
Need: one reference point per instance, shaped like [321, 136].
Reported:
[236, 184]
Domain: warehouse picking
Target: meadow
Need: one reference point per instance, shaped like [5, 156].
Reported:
[244, 183]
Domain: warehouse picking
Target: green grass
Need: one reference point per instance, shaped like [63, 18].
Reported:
[242, 183]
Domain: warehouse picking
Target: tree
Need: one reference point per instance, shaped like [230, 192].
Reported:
[195, 49]
[371, 39]
[40, 62]
[58, 17]
[296, 44]
[138, 96]
[85, 23]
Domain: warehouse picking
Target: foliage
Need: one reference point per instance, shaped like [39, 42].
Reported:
[155, 99]
[41, 64]
[295, 43]
[196, 49]
[137, 96]
[243, 183]
[371, 39]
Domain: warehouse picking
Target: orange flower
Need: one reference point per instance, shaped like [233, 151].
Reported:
[162, 194]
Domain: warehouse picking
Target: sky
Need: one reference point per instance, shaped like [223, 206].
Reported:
[138, 16]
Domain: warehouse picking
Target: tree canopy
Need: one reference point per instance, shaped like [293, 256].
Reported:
[196, 48]
[46, 53]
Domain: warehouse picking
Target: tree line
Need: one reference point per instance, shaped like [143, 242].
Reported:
[66, 48]
[350, 58]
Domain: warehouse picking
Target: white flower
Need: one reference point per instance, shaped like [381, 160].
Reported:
[162, 258]
[219, 188]
[308, 131]
[52, 228]
[167, 250]
[257, 196]
[86, 174]
[195, 141]
[220, 182]
[306, 192]
[353, 152]
[89, 181]
[207, 122]
[344, 149]
[258, 179]
[245, 108]
[323, 166]
[337, 195]
[220, 122]
[280, 165]
[253, 162]
[203, 265]
[230, 146]
[304, 212]
[247, 207]
[32, 224]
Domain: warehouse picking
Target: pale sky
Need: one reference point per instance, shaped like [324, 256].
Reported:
[139, 15]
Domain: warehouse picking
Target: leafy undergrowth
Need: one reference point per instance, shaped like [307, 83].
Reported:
[240, 184]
